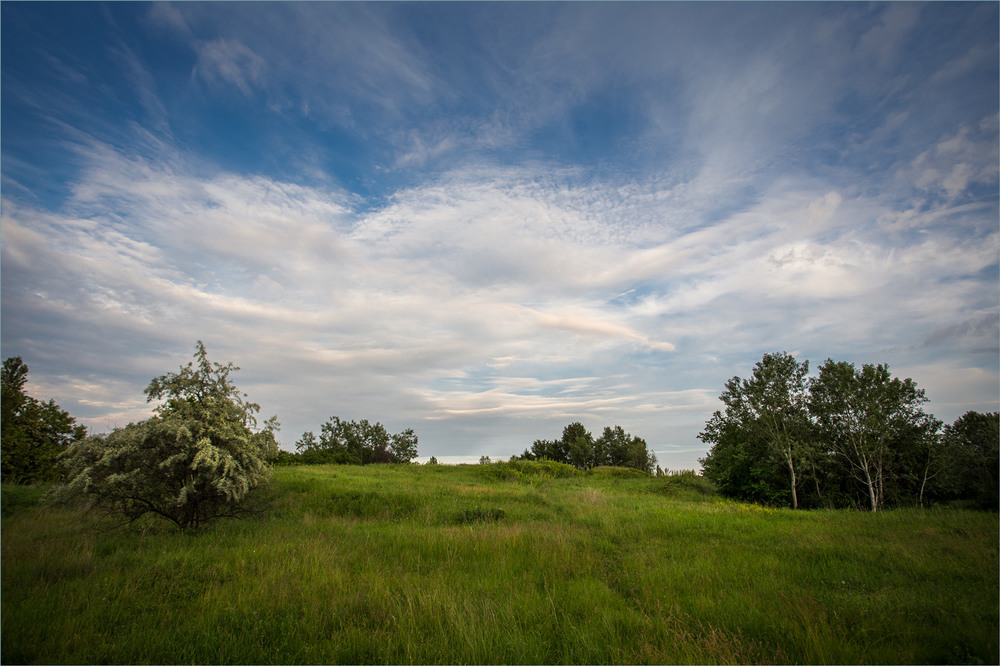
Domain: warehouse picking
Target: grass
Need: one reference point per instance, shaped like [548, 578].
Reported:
[507, 563]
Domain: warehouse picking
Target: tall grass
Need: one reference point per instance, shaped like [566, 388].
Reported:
[520, 563]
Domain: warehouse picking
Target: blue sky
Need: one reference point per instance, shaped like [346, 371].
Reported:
[486, 221]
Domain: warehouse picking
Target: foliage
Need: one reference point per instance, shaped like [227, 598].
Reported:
[577, 447]
[770, 408]
[196, 459]
[32, 433]
[866, 417]
[848, 437]
[968, 457]
[686, 484]
[525, 470]
[356, 443]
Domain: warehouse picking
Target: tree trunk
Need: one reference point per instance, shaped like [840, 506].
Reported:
[791, 471]
[870, 483]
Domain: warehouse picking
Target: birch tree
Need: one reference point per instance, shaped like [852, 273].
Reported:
[771, 406]
[862, 414]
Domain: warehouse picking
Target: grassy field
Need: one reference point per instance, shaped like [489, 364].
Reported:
[500, 564]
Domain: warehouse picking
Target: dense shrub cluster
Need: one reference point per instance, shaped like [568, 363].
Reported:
[516, 470]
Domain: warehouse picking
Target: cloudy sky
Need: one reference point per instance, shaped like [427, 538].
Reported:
[486, 221]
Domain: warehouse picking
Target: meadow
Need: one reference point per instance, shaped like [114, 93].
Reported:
[501, 563]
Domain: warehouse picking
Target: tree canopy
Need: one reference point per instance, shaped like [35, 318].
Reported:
[356, 443]
[198, 458]
[849, 436]
[577, 447]
[32, 433]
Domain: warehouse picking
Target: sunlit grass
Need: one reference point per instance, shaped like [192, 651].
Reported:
[424, 564]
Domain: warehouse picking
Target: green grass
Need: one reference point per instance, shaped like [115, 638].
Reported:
[508, 563]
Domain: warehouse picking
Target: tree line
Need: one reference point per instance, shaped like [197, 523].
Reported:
[353, 443]
[848, 437]
[577, 447]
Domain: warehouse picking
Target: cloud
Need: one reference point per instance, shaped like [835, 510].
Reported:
[483, 223]
[492, 278]
[225, 62]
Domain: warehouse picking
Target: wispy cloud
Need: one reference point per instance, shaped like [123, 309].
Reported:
[486, 221]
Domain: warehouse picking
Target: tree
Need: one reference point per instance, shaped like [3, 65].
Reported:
[578, 444]
[863, 416]
[739, 463]
[546, 449]
[356, 443]
[970, 455]
[617, 448]
[198, 458]
[404, 446]
[771, 407]
[32, 433]
[578, 448]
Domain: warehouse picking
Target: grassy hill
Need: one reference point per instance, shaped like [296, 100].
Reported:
[503, 563]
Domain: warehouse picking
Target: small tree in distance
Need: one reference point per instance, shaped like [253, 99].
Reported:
[196, 459]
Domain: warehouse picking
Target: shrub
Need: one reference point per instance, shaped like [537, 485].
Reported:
[684, 482]
[197, 459]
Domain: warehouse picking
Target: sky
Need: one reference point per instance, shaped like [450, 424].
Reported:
[487, 221]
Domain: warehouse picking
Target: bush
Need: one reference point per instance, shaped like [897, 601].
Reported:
[516, 470]
[197, 459]
[619, 472]
[686, 482]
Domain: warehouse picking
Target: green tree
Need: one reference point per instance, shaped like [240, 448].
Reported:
[863, 416]
[578, 444]
[771, 407]
[617, 448]
[198, 458]
[971, 457]
[32, 433]
[550, 449]
[739, 463]
[404, 446]
[357, 443]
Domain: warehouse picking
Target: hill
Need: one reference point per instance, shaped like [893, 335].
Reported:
[501, 563]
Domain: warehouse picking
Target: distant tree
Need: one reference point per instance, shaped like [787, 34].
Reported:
[555, 450]
[864, 415]
[404, 446]
[578, 445]
[356, 443]
[198, 458]
[617, 448]
[432, 461]
[32, 433]
[484, 460]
